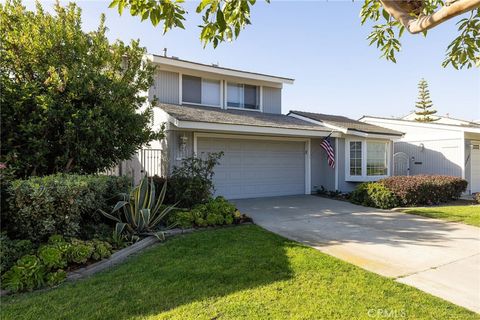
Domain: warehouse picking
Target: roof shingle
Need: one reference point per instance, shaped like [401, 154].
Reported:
[347, 123]
[238, 117]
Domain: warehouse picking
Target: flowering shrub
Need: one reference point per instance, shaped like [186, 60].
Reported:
[425, 189]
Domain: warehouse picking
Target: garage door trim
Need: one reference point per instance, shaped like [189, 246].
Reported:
[197, 135]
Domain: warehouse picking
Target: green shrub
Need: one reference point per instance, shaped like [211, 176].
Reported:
[55, 278]
[80, 251]
[102, 249]
[12, 250]
[191, 183]
[229, 219]
[374, 194]
[183, 219]
[59, 204]
[477, 197]
[215, 212]
[214, 219]
[52, 257]
[27, 274]
[425, 189]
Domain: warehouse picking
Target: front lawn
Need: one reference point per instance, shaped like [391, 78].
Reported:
[464, 214]
[242, 272]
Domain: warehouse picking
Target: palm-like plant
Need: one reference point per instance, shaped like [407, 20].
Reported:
[141, 211]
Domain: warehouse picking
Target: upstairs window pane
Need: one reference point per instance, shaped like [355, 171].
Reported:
[235, 95]
[210, 92]
[242, 96]
[192, 89]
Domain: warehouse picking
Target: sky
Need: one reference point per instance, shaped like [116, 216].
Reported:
[324, 48]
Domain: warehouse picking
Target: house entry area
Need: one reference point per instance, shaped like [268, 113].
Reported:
[253, 166]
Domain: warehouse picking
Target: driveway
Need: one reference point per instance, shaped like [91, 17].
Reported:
[438, 257]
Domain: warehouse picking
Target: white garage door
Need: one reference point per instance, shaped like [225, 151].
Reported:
[475, 173]
[256, 168]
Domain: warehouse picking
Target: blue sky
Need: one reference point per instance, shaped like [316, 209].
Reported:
[322, 45]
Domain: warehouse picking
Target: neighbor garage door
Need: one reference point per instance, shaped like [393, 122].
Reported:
[475, 171]
[256, 168]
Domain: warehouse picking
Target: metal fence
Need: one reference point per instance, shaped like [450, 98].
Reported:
[145, 162]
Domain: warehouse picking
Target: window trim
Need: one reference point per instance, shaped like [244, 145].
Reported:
[364, 177]
[260, 97]
[188, 103]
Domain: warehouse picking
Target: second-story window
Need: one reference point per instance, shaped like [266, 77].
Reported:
[200, 91]
[243, 96]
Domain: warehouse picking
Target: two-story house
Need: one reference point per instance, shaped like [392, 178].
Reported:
[207, 108]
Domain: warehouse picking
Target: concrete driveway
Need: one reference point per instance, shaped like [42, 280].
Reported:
[438, 257]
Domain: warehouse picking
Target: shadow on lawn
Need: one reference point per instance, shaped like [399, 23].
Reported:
[186, 269]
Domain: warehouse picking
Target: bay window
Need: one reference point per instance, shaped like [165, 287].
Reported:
[201, 91]
[243, 96]
[366, 160]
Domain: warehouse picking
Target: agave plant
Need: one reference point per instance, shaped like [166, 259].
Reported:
[141, 211]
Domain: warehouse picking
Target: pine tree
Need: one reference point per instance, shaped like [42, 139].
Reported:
[424, 104]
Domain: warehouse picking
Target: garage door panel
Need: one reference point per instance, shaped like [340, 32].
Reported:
[257, 168]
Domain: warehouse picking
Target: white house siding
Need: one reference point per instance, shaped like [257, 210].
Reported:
[322, 173]
[272, 100]
[165, 87]
[442, 147]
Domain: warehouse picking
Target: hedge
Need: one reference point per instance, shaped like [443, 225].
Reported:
[425, 189]
[408, 191]
[374, 194]
[59, 204]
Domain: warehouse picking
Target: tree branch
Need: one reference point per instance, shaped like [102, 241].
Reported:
[423, 23]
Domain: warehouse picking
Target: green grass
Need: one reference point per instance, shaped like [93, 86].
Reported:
[464, 214]
[243, 272]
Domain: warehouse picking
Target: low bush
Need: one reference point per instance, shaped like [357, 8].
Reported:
[46, 266]
[59, 204]
[425, 189]
[191, 183]
[12, 250]
[374, 194]
[409, 191]
[215, 212]
[477, 197]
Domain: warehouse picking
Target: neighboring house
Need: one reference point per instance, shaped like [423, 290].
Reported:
[447, 146]
[207, 109]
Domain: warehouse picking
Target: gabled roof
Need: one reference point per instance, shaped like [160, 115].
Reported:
[215, 69]
[345, 124]
[464, 127]
[237, 117]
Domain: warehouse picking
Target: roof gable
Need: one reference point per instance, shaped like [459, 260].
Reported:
[346, 124]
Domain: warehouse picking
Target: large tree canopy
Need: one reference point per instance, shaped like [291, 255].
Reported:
[70, 100]
[224, 19]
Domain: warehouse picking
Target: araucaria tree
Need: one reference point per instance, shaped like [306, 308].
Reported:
[70, 100]
[424, 104]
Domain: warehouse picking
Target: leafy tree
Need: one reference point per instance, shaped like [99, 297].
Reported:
[70, 100]
[224, 19]
[424, 104]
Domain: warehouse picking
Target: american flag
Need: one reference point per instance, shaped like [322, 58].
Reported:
[329, 150]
